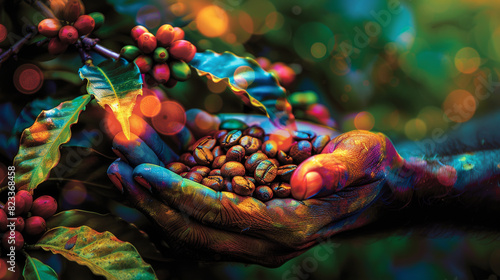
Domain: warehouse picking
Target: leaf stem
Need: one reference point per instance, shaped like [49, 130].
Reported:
[92, 43]
[18, 45]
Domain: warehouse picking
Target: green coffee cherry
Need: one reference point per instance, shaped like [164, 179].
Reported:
[180, 70]
[130, 52]
[160, 55]
[98, 18]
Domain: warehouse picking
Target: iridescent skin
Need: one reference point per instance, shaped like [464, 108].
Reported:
[355, 182]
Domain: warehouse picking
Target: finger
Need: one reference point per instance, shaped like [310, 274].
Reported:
[134, 150]
[201, 123]
[118, 172]
[221, 209]
[140, 128]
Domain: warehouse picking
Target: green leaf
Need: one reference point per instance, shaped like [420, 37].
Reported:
[117, 226]
[102, 253]
[34, 269]
[39, 149]
[116, 84]
[244, 76]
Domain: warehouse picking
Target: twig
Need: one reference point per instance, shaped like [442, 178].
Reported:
[92, 43]
[42, 8]
[18, 45]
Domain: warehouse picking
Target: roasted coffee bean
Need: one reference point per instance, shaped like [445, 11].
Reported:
[207, 142]
[194, 176]
[319, 143]
[235, 153]
[177, 167]
[242, 186]
[254, 160]
[252, 179]
[183, 174]
[215, 172]
[283, 158]
[254, 131]
[251, 144]
[285, 172]
[214, 182]
[233, 124]
[188, 159]
[203, 156]
[300, 151]
[232, 138]
[275, 162]
[228, 185]
[281, 189]
[202, 170]
[219, 162]
[220, 135]
[270, 148]
[217, 151]
[232, 168]
[303, 135]
[263, 193]
[265, 172]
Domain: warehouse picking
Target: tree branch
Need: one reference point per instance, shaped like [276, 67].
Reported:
[18, 45]
[92, 43]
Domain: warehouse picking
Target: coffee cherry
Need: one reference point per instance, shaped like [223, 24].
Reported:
[146, 42]
[180, 70]
[72, 10]
[68, 34]
[98, 19]
[28, 199]
[130, 52]
[9, 275]
[137, 31]
[3, 268]
[19, 223]
[35, 225]
[45, 206]
[165, 35]
[161, 73]
[56, 46]
[160, 55]
[84, 24]
[144, 63]
[18, 207]
[14, 239]
[49, 27]
[285, 74]
[171, 82]
[3, 221]
[178, 34]
[182, 50]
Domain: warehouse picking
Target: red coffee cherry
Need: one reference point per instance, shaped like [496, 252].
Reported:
[45, 206]
[161, 73]
[147, 42]
[144, 63]
[165, 35]
[19, 224]
[68, 34]
[137, 31]
[6, 274]
[182, 50]
[28, 199]
[56, 46]
[14, 239]
[178, 34]
[3, 221]
[72, 10]
[49, 27]
[84, 24]
[35, 225]
[19, 205]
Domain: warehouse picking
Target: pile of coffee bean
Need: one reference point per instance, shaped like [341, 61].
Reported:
[246, 161]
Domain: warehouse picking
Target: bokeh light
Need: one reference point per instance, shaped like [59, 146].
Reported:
[212, 21]
[74, 193]
[467, 60]
[150, 106]
[244, 76]
[415, 129]
[459, 106]
[178, 9]
[364, 121]
[171, 119]
[149, 16]
[28, 78]
[340, 65]
[313, 41]
[216, 87]
[213, 103]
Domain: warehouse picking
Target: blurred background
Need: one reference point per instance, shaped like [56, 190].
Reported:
[409, 69]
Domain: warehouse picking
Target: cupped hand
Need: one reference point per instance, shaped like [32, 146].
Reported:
[333, 192]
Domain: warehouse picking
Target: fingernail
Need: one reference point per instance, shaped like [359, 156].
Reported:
[143, 182]
[313, 180]
[119, 154]
[116, 181]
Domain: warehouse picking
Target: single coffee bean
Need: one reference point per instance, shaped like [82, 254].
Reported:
[177, 167]
[303, 135]
[231, 139]
[194, 176]
[235, 153]
[251, 144]
[214, 182]
[270, 148]
[233, 124]
[219, 162]
[283, 158]
[228, 185]
[252, 179]
[215, 172]
[263, 193]
[232, 168]
[281, 189]
[242, 186]
[285, 172]
[203, 156]
[202, 170]
[183, 174]
[265, 172]
[266, 137]
[207, 142]
[217, 151]
[188, 159]
[255, 131]
[319, 143]
[254, 160]
[275, 162]
[301, 151]
[219, 135]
